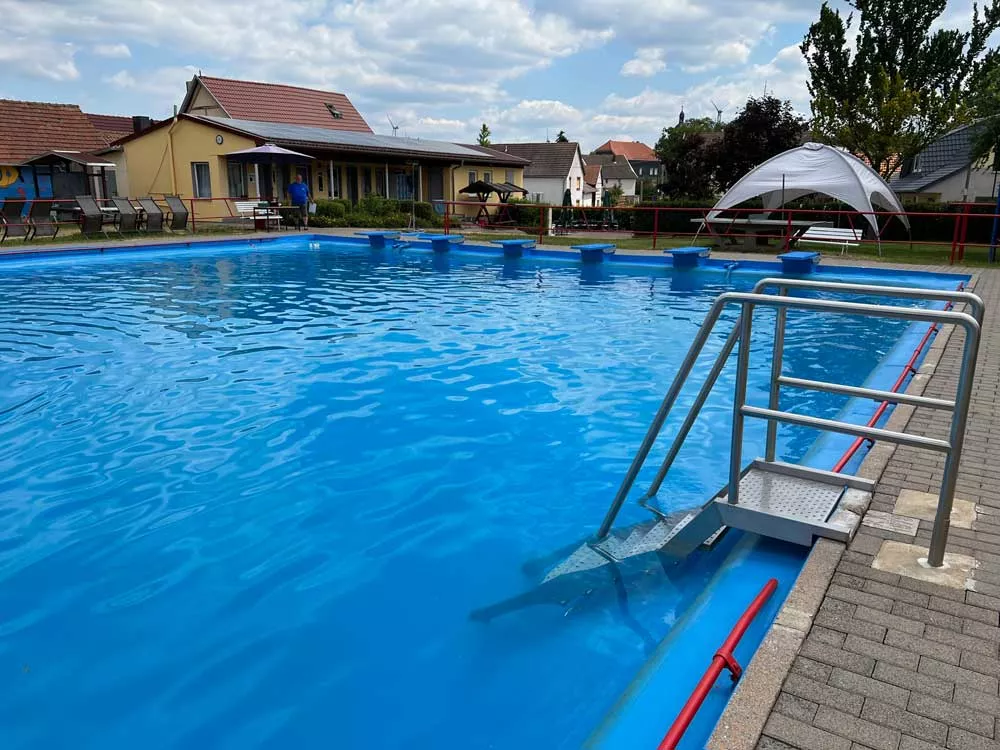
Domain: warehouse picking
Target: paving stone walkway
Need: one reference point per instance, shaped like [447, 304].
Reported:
[890, 662]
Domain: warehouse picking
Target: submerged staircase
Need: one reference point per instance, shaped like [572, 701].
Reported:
[768, 497]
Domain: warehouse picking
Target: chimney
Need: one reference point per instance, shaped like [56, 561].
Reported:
[140, 123]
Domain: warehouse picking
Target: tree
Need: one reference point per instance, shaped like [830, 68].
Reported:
[687, 156]
[763, 128]
[901, 84]
[484, 135]
[561, 137]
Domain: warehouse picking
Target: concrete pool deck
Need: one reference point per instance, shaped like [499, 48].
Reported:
[860, 657]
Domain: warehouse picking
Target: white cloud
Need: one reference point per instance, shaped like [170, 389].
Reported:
[39, 58]
[648, 61]
[111, 50]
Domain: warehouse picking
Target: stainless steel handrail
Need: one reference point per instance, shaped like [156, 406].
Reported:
[974, 302]
[971, 324]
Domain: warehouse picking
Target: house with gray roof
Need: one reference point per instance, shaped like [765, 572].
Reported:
[616, 171]
[945, 172]
[553, 169]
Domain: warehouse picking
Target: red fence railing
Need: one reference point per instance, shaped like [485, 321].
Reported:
[961, 227]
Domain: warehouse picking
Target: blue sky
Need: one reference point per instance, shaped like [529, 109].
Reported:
[598, 69]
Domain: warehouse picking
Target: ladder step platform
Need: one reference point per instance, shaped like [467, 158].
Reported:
[792, 503]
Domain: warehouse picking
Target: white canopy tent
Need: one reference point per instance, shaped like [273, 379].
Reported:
[815, 168]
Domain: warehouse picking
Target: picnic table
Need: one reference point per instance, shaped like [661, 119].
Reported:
[746, 231]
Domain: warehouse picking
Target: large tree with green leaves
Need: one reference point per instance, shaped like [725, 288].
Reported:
[687, 156]
[901, 84]
[765, 127]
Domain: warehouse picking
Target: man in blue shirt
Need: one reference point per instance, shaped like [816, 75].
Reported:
[298, 193]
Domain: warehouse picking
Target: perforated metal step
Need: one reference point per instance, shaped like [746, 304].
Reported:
[788, 502]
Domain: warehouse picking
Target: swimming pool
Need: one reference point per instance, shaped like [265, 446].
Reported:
[250, 495]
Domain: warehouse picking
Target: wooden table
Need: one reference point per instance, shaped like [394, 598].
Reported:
[745, 231]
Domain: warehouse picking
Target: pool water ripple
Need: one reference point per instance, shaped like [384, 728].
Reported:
[250, 500]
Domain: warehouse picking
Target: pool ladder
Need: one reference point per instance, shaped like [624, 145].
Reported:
[768, 497]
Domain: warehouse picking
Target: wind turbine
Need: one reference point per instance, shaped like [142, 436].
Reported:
[395, 127]
[718, 112]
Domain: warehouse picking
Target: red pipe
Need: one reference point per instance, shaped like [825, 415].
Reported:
[723, 659]
[907, 370]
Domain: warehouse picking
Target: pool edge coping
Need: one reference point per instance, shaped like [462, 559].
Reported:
[741, 724]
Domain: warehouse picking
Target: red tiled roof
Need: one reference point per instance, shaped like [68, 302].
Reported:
[590, 173]
[631, 150]
[31, 128]
[275, 102]
[111, 127]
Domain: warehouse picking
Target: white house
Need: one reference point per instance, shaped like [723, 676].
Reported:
[615, 172]
[945, 171]
[593, 185]
[554, 169]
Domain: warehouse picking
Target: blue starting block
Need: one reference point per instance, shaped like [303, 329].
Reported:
[515, 248]
[439, 242]
[377, 239]
[687, 257]
[595, 252]
[799, 261]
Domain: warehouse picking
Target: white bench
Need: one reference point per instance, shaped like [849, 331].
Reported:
[841, 237]
[253, 210]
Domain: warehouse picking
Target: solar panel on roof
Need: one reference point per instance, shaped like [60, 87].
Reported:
[280, 131]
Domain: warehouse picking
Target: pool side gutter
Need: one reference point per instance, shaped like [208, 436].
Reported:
[742, 722]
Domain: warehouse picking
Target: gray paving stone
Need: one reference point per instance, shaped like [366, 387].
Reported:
[883, 652]
[985, 702]
[981, 631]
[814, 670]
[897, 593]
[978, 662]
[926, 729]
[847, 624]
[927, 616]
[837, 657]
[925, 646]
[859, 597]
[967, 611]
[910, 680]
[959, 675]
[859, 730]
[795, 707]
[870, 688]
[912, 743]
[801, 735]
[769, 743]
[959, 739]
[905, 624]
[951, 714]
[826, 695]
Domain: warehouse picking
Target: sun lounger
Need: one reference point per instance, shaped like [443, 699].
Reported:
[128, 217]
[178, 216]
[92, 218]
[40, 219]
[16, 225]
[153, 220]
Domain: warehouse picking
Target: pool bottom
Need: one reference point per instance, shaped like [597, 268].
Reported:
[651, 703]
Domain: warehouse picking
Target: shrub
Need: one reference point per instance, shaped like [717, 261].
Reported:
[332, 209]
[362, 220]
[422, 210]
[321, 221]
[395, 221]
[376, 205]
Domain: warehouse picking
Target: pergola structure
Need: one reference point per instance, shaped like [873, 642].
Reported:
[504, 190]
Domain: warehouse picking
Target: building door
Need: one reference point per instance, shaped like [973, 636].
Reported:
[265, 190]
[352, 185]
[435, 184]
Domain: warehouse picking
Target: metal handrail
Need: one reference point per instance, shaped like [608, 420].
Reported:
[741, 332]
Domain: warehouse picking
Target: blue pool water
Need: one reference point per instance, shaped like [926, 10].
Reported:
[250, 496]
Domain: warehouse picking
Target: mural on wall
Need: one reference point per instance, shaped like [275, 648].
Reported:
[19, 182]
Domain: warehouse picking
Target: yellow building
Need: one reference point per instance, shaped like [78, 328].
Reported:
[187, 155]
